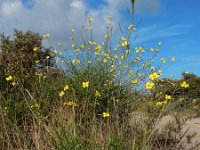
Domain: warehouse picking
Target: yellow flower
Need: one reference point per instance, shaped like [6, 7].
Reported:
[110, 17]
[108, 24]
[90, 42]
[82, 46]
[149, 85]
[89, 61]
[157, 50]
[96, 53]
[85, 84]
[106, 36]
[125, 43]
[13, 83]
[122, 57]
[134, 81]
[72, 30]
[130, 73]
[9, 78]
[153, 76]
[131, 27]
[184, 84]
[37, 106]
[70, 103]
[97, 94]
[115, 57]
[168, 97]
[37, 61]
[66, 87]
[89, 27]
[159, 104]
[61, 93]
[55, 50]
[36, 49]
[46, 36]
[163, 60]
[122, 38]
[47, 57]
[98, 48]
[71, 38]
[76, 61]
[172, 59]
[73, 45]
[128, 51]
[106, 114]
[90, 19]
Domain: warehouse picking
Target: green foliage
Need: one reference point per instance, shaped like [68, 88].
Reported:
[113, 96]
[184, 97]
[18, 55]
[18, 59]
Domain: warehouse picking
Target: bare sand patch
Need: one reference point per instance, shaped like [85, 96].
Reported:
[188, 132]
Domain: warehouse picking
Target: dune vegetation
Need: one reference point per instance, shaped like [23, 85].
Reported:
[94, 95]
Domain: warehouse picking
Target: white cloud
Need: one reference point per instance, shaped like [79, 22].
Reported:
[8, 9]
[77, 4]
[58, 16]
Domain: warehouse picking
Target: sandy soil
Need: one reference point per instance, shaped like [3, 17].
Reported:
[190, 127]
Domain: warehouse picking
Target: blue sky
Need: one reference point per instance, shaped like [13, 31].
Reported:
[174, 22]
[177, 24]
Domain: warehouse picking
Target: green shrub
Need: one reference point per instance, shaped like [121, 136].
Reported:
[20, 57]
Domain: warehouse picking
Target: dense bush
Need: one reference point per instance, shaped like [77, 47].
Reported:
[20, 57]
[186, 97]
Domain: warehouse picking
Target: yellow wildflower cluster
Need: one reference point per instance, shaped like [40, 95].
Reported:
[163, 60]
[160, 104]
[35, 106]
[36, 49]
[184, 84]
[172, 59]
[11, 80]
[46, 36]
[125, 43]
[153, 76]
[72, 30]
[134, 81]
[97, 94]
[76, 61]
[5, 111]
[131, 27]
[105, 114]
[70, 103]
[85, 84]
[62, 93]
[149, 85]
[37, 61]
[90, 19]
[168, 97]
